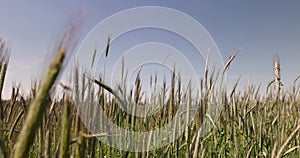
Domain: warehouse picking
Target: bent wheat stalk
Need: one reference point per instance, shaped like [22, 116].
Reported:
[38, 105]
[287, 141]
[36, 109]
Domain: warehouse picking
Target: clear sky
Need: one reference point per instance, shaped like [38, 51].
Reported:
[260, 28]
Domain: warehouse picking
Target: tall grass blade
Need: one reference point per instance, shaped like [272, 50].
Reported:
[38, 105]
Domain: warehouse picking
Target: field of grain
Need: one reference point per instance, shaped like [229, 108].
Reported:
[251, 124]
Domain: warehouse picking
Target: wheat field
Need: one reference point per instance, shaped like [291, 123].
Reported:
[251, 124]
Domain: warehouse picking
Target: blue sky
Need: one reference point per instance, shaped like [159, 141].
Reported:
[260, 28]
